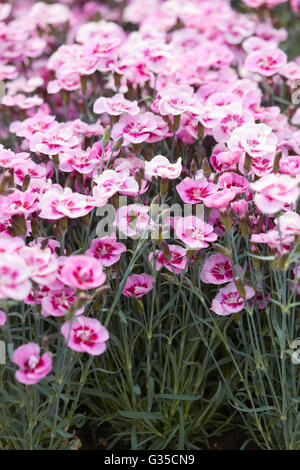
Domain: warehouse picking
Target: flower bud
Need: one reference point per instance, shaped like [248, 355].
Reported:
[26, 182]
[18, 225]
[206, 167]
[164, 184]
[276, 161]
[223, 250]
[240, 287]
[106, 137]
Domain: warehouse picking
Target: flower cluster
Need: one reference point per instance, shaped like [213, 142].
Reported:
[177, 108]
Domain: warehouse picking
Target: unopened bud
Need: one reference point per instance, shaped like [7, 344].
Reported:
[55, 161]
[44, 244]
[106, 137]
[11, 177]
[226, 220]
[18, 225]
[276, 161]
[26, 182]
[35, 231]
[206, 167]
[200, 131]
[102, 290]
[244, 228]
[256, 265]
[165, 249]
[240, 287]
[194, 167]
[223, 250]
[282, 261]
[164, 184]
[118, 144]
[248, 162]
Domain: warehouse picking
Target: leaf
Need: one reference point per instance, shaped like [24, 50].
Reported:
[142, 415]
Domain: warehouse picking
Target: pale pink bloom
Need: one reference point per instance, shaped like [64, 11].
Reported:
[54, 141]
[266, 61]
[240, 208]
[133, 219]
[42, 264]
[290, 165]
[254, 3]
[291, 71]
[8, 72]
[10, 244]
[66, 79]
[21, 101]
[255, 44]
[233, 181]
[102, 48]
[110, 182]
[255, 139]
[227, 159]
[82, 272]
[84, 334]
[57, 203]
[130, 164]
[5, 10]
[217, 270]
[234, 116]
[156, 55]
[289, 223]
[176, 261]
[98, 29]
[38, 123]
[134, 129]
[32, 366]
[116, 105]
[220, 199]
[2, 318]
[238, 28]
[57, 303]
[18, 202]
[295, 5]
[229, 301]
[24, 85]
[28, 167]
[8, 159]
[262, 166]
[138, 285]
[194, 232]
[177, 100]
[161, 166]
[75, 159]
[34, 47]
[45, 14]
[274, 191]
[160, 131]
[194, 191]
[274, 239]
[106, 249]
[14, 277]
[87, 130]
[270, 33]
